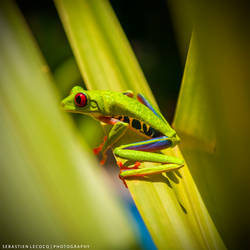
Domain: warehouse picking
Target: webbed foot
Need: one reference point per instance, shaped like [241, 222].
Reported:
[124, 168]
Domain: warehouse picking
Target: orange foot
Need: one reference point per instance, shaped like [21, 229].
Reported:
[98, 149]
[103, 160]
[121, 166]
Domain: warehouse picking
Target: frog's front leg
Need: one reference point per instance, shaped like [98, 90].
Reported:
[116, 132]
[143, 151]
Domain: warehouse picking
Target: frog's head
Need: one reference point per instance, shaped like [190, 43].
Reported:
[79, 101]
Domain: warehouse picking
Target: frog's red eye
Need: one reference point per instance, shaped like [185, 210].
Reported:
[80, 100]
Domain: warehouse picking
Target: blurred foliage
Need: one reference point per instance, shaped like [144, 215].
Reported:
[214, 123]
[52, 191]
[66, 75]
[170, 204]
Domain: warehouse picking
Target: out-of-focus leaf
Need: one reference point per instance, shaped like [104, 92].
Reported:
[51, 188]
[213, 112]
[66, 75]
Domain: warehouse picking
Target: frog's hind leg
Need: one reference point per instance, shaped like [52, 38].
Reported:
[141, 172]
[144, 151]
[148, 171]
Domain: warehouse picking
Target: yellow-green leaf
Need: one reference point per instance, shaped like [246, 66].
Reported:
[213, 112]
[170, 204]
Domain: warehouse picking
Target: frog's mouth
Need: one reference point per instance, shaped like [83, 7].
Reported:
[69, 108]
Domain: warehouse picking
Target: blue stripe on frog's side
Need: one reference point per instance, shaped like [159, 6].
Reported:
[151, 145]
[143, 100]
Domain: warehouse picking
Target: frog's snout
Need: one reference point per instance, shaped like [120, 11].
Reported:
[63, 103]
[66, 104]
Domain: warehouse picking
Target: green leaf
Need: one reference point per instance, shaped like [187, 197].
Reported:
[170, 204]
[212, 116]
[53, 192]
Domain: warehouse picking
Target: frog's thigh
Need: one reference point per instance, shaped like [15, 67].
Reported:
[139, 151]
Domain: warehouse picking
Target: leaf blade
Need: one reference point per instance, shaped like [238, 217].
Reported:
[158, 198]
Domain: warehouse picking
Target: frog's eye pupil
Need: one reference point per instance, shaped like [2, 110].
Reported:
[80, 100]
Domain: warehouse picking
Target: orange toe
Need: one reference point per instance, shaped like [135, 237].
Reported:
[97, 150]
[102, 162]
[119, 163]
[137, 164]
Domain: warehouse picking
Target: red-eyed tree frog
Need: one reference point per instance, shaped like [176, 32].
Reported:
[124, 112]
